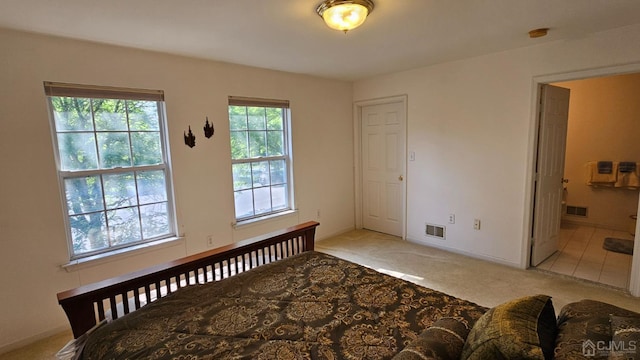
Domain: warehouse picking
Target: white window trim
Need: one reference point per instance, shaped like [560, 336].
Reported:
[267, 218]
[287, 130]
[53, 89]
[123, 253]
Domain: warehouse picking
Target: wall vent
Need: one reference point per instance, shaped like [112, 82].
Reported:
[434, 230]
[577, 211]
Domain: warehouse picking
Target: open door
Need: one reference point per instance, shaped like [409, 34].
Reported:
[552, 138]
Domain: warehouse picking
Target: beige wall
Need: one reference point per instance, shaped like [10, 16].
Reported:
[604, 124]
[471, 124]
[31, 223]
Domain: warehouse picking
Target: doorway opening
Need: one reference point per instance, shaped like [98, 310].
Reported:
[602, 128]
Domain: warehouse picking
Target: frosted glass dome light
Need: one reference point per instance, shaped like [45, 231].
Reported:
[344, 15]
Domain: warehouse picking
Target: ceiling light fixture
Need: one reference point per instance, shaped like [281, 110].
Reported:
[344, 15]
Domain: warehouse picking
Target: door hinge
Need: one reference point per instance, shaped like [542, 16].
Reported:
[533, 241]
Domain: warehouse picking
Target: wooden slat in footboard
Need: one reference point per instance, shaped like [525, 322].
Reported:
[85, 305]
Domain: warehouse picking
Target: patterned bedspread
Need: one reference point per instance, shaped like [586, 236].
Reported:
[309, 306]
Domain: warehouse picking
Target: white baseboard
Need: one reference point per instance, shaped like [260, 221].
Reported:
[569, 220]
[335, 233]
[466, 253]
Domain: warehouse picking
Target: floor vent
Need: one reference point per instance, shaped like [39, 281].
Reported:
[577, 211]
[434, 230]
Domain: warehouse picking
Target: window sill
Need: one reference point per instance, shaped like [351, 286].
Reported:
[267, 218]
[95, 260]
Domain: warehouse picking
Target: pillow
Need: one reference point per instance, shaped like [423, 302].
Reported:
[443, 340]
[524, 328]
[625, 339]
[584, 324]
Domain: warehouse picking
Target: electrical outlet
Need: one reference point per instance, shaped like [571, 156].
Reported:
[318, 214]
[209, 240]
[452, 218]
[476, 224]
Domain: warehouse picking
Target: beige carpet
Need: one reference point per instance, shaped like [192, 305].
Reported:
[482, 282]
[40, 350]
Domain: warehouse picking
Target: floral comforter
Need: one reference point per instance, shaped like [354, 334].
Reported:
[308, 306]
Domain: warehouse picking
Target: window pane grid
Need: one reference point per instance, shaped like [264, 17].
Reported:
[128, 146]
[109, 211]
[103, 163]
[81, 173]
[260, 160]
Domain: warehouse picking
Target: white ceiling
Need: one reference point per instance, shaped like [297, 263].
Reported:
[288, 35]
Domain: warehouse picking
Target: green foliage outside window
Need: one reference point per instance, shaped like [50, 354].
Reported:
[111, 157]
[259, 156]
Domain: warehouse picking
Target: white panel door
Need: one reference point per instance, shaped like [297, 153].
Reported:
[552, 138]
[383, 167]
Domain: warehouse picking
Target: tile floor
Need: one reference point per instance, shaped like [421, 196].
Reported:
[581, 255]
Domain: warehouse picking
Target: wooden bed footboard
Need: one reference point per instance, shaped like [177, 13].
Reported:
[86, 305]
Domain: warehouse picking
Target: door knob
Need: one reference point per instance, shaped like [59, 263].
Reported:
[400, 178]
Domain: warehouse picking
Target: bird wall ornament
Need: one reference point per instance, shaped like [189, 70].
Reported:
[208, 129]
[190, 139]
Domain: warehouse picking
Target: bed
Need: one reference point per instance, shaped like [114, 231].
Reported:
[272, 297]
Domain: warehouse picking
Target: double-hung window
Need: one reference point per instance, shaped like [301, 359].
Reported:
[113, 166]
[260, 157]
